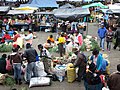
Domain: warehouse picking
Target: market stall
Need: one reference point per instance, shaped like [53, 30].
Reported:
[99, 4]
[41, 3]
[71, 14]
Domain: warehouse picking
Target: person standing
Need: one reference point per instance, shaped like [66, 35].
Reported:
[97, 59]
[92, 80]
[114, 80]
[109, 37]
[78, 38]
[30, 54]
[64, 27]
[102, 33]
[16, 62]
[80, 63]
[61, 45]
[45, 55]
[117, 36]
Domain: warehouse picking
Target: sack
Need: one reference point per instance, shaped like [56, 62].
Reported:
[105, 88]
[39, 81]
[40, 69]
[8, 65]
[60, 72]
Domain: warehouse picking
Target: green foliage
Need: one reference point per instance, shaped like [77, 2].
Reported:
[9, 81]
[70, 53]
[54, 49]
[5, 48]
[24, 88]
[94, 44]
[83, 47]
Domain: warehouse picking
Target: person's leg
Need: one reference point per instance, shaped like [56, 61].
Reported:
[60, 49]
[102, 43]
[19, 73]
[81, 72]
[107, 45]
[15, 73]
[28, 72]
[116, 44]
[35, 73]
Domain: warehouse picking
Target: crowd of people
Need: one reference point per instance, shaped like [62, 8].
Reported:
[108, 32]
[70, 40]
[90, 73]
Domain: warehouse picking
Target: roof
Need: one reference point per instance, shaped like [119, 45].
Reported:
[41, 3]
[44, 13]
[4, 8]
[72, 11]
[13, 12]
[67, 6]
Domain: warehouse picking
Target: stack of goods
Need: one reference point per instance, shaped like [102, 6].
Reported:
[6, 47]
[6, 80]
[71, 73]
[89, 43]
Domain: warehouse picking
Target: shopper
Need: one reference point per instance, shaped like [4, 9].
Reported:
[102, 33]
[30, 54]
[109, 38]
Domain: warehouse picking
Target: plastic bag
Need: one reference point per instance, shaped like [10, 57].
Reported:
[60, 72]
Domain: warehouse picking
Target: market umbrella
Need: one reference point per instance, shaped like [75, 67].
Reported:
[26, 8]
[99, 4]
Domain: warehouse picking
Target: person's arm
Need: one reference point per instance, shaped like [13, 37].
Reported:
[25, 54]
[28, 37]
[98, 32]
[77, 62]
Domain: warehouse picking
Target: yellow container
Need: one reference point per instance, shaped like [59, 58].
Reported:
[108, 68]
[71, 73]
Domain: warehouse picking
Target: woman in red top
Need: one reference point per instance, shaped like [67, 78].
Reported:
[6, 37]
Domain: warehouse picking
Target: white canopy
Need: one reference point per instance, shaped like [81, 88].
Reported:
[73, 11]
[4, 8]
[114, 7]
[13, 12]
[44, 13]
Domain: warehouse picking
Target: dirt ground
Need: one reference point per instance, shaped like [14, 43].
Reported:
[114, 58]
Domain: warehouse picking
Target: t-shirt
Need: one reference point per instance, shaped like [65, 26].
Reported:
[61, 40]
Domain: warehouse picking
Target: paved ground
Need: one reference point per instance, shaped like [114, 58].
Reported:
[114, 57]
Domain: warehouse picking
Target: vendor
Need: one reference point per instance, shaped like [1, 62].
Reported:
[78, 38]
[6, 37]
[44, 55]
[80, 63]
[51, 38]
[16, 36]
[48, 44]
[29, 37]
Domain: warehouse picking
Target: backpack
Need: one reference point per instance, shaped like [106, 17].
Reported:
[92, 78]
